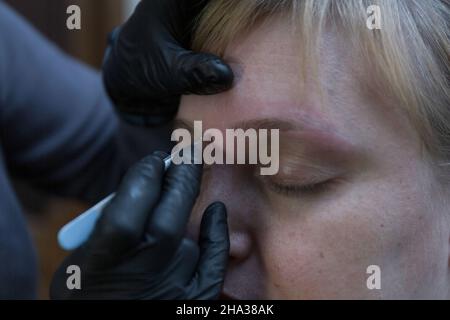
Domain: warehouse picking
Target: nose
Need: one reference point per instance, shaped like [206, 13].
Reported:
[232, 185]
[240, 244]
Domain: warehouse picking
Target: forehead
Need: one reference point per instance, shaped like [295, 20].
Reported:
[269, 85]
[268, 68]
[267, 64]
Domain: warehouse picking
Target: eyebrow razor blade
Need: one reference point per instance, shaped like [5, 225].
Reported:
[77, 231]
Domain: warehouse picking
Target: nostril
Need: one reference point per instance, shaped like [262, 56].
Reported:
[240, 245]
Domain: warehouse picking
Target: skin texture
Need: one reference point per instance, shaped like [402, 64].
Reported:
[382, 206]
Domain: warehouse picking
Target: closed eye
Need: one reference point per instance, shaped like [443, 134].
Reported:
[296, 190]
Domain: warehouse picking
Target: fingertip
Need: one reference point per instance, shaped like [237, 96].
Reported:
[152, 160]
[205, 74]
[217, 208]
[160, 155]
[187, 176]
[214, 225]
[216, 76]
[149, 170]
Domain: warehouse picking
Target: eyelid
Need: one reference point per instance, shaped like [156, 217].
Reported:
[298, 181]
[304, 190]
[308, 174]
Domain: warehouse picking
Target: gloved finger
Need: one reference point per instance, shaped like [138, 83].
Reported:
[161, 154]
[166, 226]
[201, 73]
[198, 73]
[214, 251]
[183, 269]
[123, 221]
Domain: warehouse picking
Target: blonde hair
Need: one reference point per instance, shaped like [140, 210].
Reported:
[409, 55]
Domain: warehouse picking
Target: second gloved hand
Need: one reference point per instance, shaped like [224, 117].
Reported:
[138, 249]
[148, 65]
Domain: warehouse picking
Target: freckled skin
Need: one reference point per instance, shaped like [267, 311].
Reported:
[389, 211]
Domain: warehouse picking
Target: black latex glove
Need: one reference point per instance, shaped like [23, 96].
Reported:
[148, 67]
[138, 249]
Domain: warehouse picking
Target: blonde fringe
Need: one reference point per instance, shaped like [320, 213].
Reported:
[408, 57]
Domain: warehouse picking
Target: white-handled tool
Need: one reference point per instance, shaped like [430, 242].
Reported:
[77, 231]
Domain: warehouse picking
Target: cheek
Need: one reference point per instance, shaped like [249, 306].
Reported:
[315, 257]
[324, 252]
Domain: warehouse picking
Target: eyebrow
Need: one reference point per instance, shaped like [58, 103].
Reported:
[329, 139]
[328, 136]
[251, 124]
[305, 123]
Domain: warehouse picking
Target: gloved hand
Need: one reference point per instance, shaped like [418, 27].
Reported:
[138, 249]
[148, 67]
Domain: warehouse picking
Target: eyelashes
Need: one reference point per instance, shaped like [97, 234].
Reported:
[313, 189]
[288, 186]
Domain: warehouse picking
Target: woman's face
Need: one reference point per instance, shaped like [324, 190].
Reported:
[352, 191]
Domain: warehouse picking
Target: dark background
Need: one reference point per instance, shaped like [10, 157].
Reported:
[46, 214]
[98, 17]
